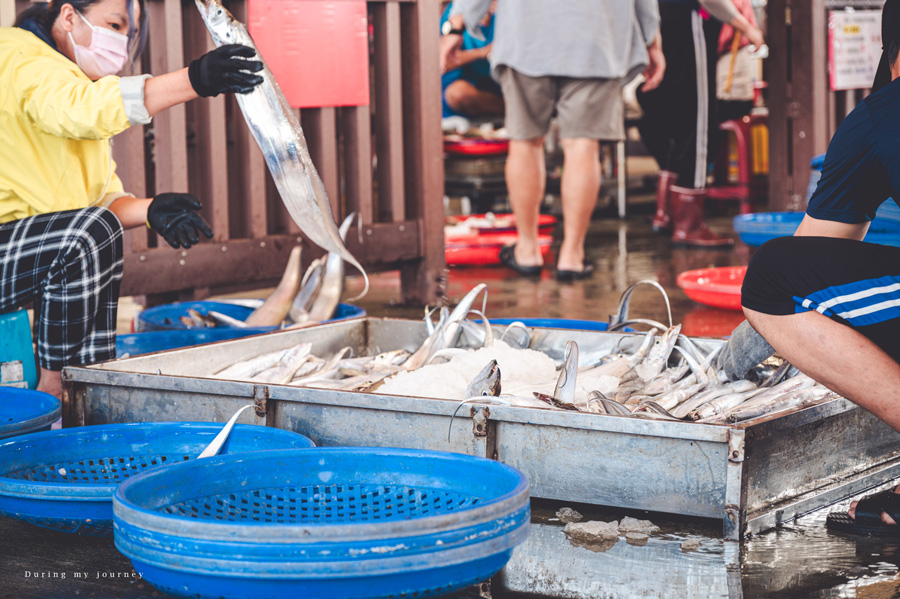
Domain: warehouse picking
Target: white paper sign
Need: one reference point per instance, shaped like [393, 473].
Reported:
[854, 48]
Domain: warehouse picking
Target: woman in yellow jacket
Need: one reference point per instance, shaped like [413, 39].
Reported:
[62, 207]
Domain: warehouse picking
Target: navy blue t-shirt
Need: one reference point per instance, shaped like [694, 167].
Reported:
[862, 164]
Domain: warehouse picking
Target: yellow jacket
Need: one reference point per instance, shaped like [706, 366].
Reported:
[55, 126]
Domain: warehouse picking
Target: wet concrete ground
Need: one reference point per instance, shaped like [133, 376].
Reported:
[800, 559]
[624, 252]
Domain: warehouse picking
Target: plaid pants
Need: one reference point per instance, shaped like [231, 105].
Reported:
[69, 264]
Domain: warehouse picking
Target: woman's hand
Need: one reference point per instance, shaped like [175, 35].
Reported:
[225, 70]
[174, 216]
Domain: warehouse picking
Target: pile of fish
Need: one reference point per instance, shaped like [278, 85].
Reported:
[312, 299]
[659, 374]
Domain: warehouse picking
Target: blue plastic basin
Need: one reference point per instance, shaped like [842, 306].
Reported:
[161, 328]
[65, 479]
[756, 229]
[334, 522]
[167, 317]
[135, 344]
[23, 411]
[556, 323]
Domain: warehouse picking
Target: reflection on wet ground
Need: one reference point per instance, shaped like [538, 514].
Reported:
[800, 559]
[624, 252]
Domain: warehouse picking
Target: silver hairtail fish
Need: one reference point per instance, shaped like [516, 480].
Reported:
[277, 131]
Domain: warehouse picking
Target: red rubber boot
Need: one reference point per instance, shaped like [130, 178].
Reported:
[662, 222]
[687, 217]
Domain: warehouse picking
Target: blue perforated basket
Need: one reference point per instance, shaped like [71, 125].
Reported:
[756, 229]
[23, 411]
[556, 323]
[65, 479]
[327, 522]
[168, 317]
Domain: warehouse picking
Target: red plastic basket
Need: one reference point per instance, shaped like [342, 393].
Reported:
[717, 287]
[506, 223]
[483, 250]
[476, 146]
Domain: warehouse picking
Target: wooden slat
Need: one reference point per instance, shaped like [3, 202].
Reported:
[209, 153]
[128, 152]
[388, 97]
[421, 280]
[320, 129]
[169, 126]
[247, 168]
[356, 125]
[246, 261]
[131, 166]
[809, 82]
[778, 69]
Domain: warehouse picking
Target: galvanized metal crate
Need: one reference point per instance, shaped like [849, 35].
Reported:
[751, 475]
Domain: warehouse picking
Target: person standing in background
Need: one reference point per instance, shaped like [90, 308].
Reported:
[572, 58]
[679, 116]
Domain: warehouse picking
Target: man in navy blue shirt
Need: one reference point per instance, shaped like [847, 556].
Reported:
[828, 302]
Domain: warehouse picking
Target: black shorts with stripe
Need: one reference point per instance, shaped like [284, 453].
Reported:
[852, 282]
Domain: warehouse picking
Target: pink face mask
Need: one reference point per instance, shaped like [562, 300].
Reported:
[106, 55]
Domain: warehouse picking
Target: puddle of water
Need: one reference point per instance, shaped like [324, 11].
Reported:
[801, 559]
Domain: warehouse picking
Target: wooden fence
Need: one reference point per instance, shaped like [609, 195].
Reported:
[383, 161]
[803, 111]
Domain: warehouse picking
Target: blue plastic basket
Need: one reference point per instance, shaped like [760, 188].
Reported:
[556, 323]
[23, 411]
[167, 317]
[135, 344]
[328, 522]
[756, 229]
[65, 479]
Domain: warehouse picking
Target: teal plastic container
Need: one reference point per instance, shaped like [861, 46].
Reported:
[16, 349]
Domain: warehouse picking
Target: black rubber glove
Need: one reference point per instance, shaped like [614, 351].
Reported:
[174, 216]
[744, 349]
[225, 70]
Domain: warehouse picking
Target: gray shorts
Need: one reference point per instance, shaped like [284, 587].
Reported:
[590, 108]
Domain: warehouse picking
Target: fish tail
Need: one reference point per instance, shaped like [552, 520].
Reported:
[362, 271]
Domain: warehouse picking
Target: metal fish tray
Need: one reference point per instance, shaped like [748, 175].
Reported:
[752, 475]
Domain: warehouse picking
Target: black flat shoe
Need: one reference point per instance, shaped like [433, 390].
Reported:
[508, 259]
[868, 516]
[574, 275]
